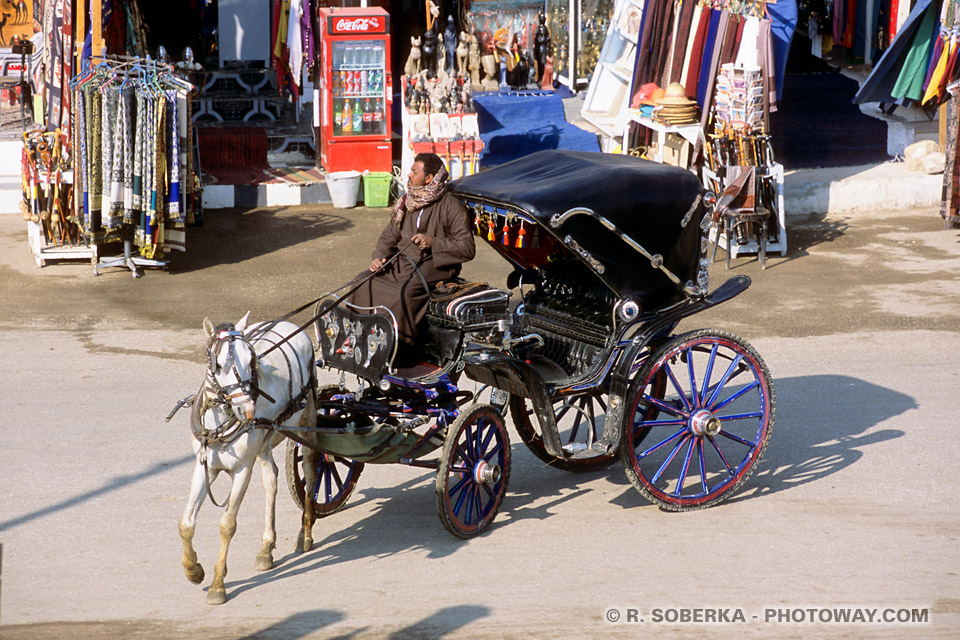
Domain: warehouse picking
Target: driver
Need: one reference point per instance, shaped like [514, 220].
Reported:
[431, 227]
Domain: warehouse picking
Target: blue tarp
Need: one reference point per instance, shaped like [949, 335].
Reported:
[513, 125]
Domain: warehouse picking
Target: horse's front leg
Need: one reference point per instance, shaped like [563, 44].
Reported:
[228, 527]
[268, 474]
[188, 525]
[311, 460]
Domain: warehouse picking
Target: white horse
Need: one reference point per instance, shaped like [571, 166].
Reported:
[243, 398]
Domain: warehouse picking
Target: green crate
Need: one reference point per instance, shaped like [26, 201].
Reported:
[376, 189]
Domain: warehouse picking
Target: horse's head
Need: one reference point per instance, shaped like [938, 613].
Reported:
[232, 366]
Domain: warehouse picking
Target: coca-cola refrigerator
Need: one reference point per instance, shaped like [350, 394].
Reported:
[355, 89]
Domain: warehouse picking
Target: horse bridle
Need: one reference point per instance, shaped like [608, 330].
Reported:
[249, 387]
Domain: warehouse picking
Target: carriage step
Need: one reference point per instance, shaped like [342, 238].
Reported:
[578, 450]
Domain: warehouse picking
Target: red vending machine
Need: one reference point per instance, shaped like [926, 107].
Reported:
[356, 89]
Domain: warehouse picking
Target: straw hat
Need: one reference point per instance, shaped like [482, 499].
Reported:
[676, 94]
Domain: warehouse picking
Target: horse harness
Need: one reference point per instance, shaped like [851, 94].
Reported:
[214, 395]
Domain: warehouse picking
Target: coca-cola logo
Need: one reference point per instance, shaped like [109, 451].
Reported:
[353, 25]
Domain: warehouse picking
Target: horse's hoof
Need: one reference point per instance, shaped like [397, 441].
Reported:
[216, 596]
[264, 562]
[195, 575]
[304, 544]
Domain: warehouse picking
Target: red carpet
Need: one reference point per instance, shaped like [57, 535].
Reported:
[234, 155]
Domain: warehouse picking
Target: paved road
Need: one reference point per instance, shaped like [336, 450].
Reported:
[853, 507]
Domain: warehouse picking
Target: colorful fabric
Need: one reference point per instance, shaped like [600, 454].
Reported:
[914, 70]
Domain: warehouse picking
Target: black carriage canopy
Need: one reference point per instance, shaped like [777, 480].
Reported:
[658, 206]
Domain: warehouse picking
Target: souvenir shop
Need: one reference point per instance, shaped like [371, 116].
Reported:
[918, 70]
[108, 173]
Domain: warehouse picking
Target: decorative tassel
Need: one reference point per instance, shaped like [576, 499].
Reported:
[522, 232]
[505, 240]
[491, 234]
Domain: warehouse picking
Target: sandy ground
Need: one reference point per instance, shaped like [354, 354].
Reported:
[853, 506]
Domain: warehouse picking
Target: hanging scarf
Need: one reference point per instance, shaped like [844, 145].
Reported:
[419, 197]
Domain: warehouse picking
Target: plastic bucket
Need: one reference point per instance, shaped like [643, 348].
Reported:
[376, 188]
[343, 186]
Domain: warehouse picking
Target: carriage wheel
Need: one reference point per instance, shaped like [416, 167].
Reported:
[700, 440]
[336, 479]
[580, 421]
[336, 476]
[473, 471]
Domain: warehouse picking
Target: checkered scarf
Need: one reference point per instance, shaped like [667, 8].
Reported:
[419, 197]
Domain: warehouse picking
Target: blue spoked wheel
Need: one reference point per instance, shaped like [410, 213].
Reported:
[698, 418]
[473, 471]
[336, 476]
[336, 479]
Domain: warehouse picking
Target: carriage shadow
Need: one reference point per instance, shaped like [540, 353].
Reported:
[813, 440]
[404, 519]
[439, 624]
[236, 235]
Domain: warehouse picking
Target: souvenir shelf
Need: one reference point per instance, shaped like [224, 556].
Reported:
[608, 96]
[673, 141]
[56, 238]
[455, 137]
[577, 29]
[739, 141]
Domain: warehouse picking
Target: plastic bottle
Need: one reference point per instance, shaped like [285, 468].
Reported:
[367, 117]
[347, 119]
[337, 117]
[379, 125]
[357, 119]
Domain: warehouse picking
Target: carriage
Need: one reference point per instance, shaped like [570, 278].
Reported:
[608, 255]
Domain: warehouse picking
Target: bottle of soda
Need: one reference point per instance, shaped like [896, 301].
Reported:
[378, 119]
[367, 117]
[357, 119]
[346, 118]
[337, 117]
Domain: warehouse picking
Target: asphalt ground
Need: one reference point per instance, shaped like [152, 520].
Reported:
[853, 506]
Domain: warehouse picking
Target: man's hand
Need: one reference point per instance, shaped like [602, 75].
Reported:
[422, 240]
[376, 264]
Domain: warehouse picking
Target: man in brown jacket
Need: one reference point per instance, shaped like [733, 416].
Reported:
[431, 227]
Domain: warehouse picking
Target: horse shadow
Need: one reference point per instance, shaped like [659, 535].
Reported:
[237, 235]
[813, 440]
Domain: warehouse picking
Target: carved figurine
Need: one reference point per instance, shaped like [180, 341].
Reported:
[541, 46]
[462, 51]
[521, 71]
[433, 12]
[474, 63]
[547, 82]
[489, 64]
[412, 67]
[450, 44]
[429, 52]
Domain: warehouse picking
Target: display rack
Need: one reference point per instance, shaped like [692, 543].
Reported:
[689, 133]
[608, 95]
[777, 243]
